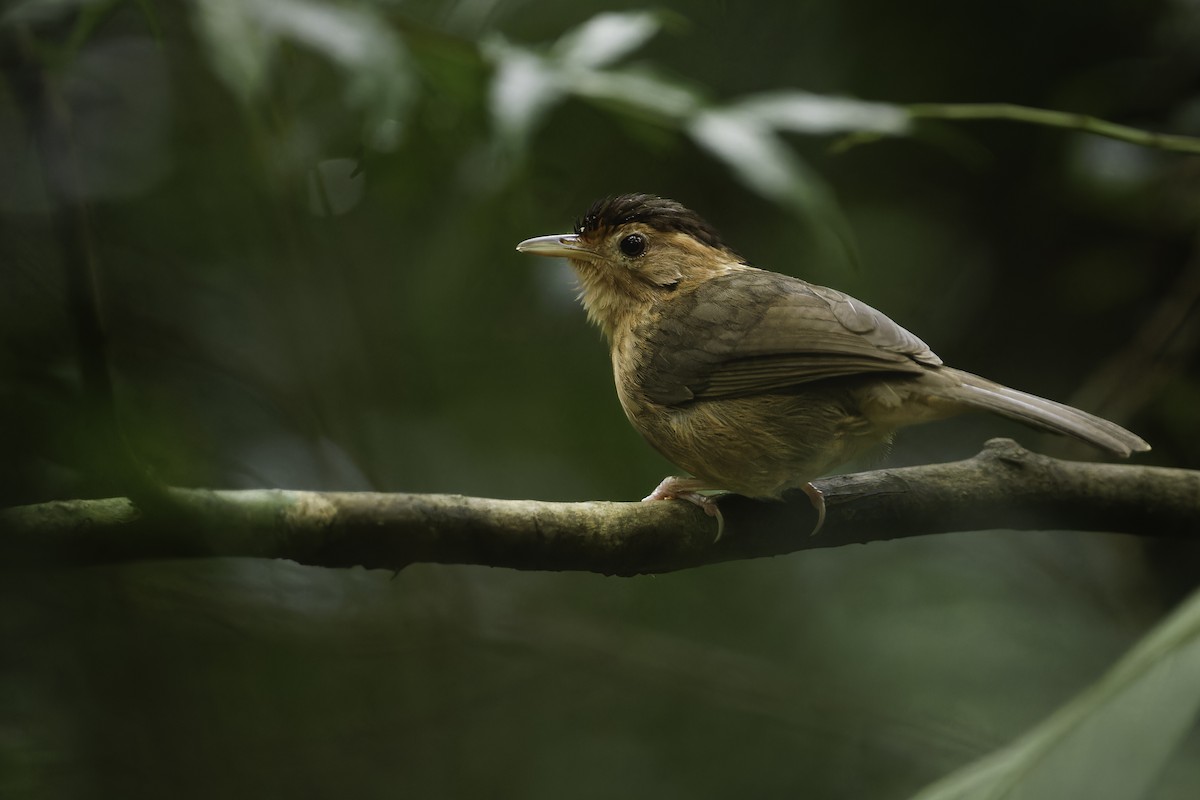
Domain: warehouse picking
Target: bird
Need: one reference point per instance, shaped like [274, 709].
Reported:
[755, 382]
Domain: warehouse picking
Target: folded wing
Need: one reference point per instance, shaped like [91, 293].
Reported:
[752, 332]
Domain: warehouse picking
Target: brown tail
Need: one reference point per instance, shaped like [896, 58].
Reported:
[1038, 412]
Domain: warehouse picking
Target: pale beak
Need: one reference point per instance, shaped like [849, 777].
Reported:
[558, 245]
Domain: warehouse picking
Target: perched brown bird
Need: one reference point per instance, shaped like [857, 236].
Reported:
[756, 382]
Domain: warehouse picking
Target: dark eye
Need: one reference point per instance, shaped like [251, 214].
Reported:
[633, 245]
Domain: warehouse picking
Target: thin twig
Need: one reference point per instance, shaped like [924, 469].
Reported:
[1056, 119]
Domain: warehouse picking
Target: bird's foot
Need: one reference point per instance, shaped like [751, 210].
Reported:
[817, 498]
[677, 488]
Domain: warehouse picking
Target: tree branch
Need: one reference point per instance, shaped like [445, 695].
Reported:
[1004, 486]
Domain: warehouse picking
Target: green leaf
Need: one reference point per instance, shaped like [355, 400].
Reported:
[758, 157]
[37, 12]
[606, 38]
[805, 112]
[527, 84]
[639, 91]
[151, 17]
[239, 49]
[243, 36]
[524, 88]
[1109, 742]
[351, 36]
[762, 161]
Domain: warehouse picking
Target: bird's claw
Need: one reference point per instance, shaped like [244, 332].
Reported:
[817, 498]
[675, 488]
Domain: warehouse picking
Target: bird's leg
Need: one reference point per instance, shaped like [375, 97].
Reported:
[674, 487]
[817, 497]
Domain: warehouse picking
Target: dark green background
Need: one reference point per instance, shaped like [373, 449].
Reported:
[402, 345]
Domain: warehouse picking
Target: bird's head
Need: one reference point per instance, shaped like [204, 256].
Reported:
[633, 251]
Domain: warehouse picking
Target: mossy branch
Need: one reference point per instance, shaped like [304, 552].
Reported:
[1004, 486]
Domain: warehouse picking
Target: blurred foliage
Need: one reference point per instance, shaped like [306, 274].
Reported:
[1085, 749]
[299, 219]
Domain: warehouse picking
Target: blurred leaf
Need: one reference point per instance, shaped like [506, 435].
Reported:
[41, 11]
[528, 84]
[374, 60]
[346, 35]
[243, 36]
[239, 48]
[151, 17]
[606, 38]
[524, 88]
[120, 94]
[335, 186]
[639, 91]
[1109, 742]
[762, 161]
[745, 135]
[758, 157]
[805, 112]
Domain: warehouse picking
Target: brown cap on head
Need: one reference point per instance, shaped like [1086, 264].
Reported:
[656, 212]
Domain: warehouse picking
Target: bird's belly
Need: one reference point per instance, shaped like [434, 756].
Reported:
[758, 446]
